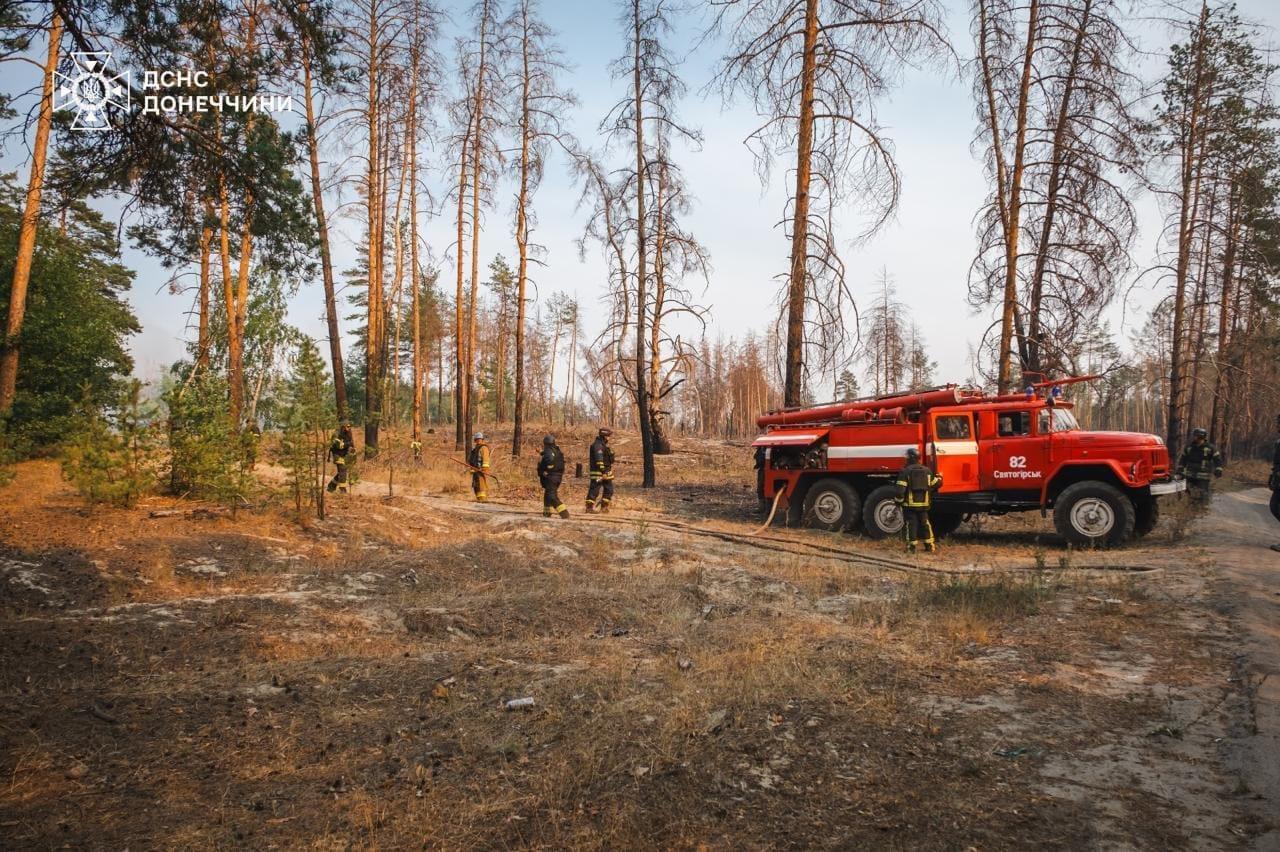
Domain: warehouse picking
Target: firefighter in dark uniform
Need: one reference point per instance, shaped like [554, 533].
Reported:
[478, 459]
[1274, 481]
[341, 448]
[601, 458]
[550, 474]
[918, 484]
[1198, 463]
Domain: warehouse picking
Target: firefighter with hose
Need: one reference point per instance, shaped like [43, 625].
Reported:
[478, 461]
[917, 484]
[550, 474]
[601, 457]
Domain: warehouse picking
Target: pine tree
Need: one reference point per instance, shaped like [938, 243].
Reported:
[309, 414]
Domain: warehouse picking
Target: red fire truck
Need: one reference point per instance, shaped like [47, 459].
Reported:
[835, 464]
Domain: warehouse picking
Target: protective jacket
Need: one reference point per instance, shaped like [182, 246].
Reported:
[479, 456]
[550, 464]
[340, 447]
[601, 458]
[917, 484]
[1200, 461]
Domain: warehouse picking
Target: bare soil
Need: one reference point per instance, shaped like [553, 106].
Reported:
[176, 678]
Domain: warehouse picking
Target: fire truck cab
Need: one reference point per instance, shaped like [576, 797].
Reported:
[835, 465]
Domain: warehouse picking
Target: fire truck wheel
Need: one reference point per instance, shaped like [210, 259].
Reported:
[832, 504]
[1094, 514]
[1147, 516]
[881, 515]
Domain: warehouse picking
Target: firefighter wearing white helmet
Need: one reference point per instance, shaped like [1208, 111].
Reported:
[478, 459]
[917, 484]
[601, 458]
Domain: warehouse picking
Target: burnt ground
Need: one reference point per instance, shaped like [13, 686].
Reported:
[186, 679]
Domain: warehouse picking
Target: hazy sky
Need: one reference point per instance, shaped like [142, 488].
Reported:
[927, 248]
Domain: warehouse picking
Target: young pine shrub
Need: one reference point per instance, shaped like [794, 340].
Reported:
[308, 415]
[206, 453]
[109, 454]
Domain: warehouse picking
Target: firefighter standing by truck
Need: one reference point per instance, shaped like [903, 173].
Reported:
[550, 474]
[341, 448]
[1198, 463]
[917, 484]
[601, 458]
[478, 460]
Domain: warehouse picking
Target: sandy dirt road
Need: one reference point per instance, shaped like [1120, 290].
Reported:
[1238, 536]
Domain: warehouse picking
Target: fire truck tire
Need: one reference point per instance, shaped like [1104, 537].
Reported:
[1147, 514]
[881, 515]
[945, 523]
[1094, 514]
[833, 505]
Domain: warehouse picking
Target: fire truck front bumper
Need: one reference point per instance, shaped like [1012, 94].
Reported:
[1171, 486]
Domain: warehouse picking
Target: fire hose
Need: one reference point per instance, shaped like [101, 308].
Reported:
[769, 520]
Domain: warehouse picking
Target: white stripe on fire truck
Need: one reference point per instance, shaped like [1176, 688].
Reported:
[874, 452]
[957, 448]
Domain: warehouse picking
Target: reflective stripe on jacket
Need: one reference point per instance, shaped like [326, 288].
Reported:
[550, 462]
[916, 485]
[601, 459]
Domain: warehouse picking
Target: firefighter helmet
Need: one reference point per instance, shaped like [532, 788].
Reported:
[913, 455]
[549, 441]
[1199, 433]
[479, 436]
[605, 431]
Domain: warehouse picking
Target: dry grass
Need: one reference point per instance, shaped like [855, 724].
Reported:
[689, 692]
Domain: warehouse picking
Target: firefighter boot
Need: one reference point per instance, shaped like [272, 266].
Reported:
[564, 513]
[591, 506]
[604, 507]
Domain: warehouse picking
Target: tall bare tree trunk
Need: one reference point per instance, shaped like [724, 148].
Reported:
[1186, 227]
[643, 391]
[322, 231]
[415, 273]
[374, 205]
[1012, 230]
[459, 314]
[522, 246]
[478, 107]
[206, 250]
[1034, 346]
[793, 389]
[9, 346]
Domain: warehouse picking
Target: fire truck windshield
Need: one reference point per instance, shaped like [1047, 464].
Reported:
[1056, 420]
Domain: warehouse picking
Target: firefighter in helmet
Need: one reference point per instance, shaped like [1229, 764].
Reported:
[601, 473]
[341, 448]
[478, 459]
[1198, 462]
[550, 474]
[917, 484]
